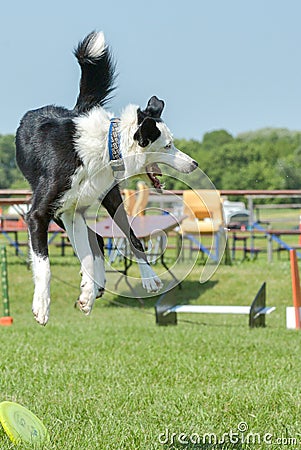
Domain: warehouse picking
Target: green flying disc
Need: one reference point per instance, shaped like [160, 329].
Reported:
[21, 425]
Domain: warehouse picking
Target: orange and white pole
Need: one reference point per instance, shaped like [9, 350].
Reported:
[295, 310]
[6, 319]
[300, 228]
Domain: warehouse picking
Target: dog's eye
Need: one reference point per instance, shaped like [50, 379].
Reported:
[168, 146]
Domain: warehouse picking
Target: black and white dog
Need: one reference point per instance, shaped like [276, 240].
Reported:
[64, 156]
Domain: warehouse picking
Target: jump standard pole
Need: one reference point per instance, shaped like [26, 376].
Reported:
[6, 319]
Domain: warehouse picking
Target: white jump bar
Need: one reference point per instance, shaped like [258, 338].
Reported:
[212, 309]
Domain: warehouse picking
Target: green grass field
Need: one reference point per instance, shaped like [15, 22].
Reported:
[115, 380]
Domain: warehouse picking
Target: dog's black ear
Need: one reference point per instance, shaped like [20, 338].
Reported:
[154, 107]
[147, 132]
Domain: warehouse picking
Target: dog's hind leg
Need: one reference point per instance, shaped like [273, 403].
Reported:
[38, 220]
[114, 205]
[77, 232]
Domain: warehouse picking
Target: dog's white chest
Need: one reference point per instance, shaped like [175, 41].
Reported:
[86, 189]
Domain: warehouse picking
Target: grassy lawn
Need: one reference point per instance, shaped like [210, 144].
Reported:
[115, 380]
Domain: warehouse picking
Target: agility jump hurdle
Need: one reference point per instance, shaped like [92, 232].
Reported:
[6, 319]
[166, 313]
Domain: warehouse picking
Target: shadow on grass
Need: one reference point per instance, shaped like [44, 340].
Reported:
[190, 290]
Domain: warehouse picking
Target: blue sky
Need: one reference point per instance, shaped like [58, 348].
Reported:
[231, 64]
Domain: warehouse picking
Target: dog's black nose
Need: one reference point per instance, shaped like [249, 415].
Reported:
[195, 163]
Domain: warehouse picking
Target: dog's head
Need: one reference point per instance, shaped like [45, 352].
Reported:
[155, 140]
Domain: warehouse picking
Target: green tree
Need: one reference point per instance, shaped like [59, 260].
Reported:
[263, 159]
[10, 175]
[216, 139]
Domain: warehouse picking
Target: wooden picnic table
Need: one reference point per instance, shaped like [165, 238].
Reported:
[15, 196]
[145, 227]
[9, 228]
[269, 234]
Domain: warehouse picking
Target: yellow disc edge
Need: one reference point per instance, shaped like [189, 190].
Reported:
[11, 432]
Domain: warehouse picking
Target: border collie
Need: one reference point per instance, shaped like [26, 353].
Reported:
[64, 156]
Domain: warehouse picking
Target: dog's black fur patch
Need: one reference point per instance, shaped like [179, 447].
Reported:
[147, 132]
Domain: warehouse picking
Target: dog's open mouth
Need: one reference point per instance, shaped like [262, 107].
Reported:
[153, 171]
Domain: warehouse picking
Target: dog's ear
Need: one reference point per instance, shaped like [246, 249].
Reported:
[154, 109]
[147, 132]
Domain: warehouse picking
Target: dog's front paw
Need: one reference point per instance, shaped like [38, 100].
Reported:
[152, 284]
[41, 308]
[87, 297]
[150, 281]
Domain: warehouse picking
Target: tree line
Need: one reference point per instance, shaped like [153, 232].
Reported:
[263, 159]
[269, 158]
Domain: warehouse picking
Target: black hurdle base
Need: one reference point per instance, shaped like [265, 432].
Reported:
[258, 310]
[257, 315]
[165, 302]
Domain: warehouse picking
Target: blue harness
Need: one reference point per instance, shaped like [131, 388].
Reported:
[116, 160]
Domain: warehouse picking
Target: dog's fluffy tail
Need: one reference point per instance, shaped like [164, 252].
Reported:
[98, 72]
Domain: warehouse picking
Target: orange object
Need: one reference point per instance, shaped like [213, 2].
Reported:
[296, 286]
[6, 320]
